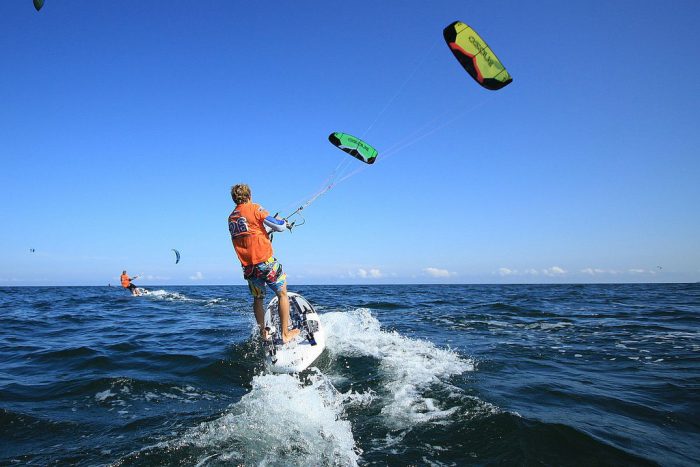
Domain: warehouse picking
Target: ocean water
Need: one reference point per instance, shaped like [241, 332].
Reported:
[412, 375]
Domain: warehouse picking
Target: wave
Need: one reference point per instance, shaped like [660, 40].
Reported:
[166, 295]
[282, 421]
[409, 368]
[305, 420]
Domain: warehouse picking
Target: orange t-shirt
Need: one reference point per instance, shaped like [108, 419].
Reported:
[126, 282]
[248, 234]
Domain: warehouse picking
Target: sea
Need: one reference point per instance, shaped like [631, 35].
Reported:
[412, 375]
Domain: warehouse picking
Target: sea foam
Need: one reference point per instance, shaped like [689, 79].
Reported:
[410, 367]
[281, 421]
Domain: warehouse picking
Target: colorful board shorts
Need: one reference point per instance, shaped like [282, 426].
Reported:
[268, 273]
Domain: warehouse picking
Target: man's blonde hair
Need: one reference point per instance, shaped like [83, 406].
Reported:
[240, 193]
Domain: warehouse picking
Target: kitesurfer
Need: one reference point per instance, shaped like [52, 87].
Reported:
[127, 284]
[248, 225]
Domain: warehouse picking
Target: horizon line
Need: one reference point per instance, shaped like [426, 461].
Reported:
[373, 284]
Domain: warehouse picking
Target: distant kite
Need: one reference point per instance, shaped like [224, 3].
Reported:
[32, 250]
[476, 56]
[38, 4]
[177, 256]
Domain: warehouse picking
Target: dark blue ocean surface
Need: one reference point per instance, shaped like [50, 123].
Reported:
[412, 375]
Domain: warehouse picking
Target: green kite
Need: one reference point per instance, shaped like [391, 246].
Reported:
[354, 146]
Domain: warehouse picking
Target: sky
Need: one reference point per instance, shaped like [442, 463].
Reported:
[123, 125]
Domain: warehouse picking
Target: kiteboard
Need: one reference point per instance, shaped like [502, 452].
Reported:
[140, 291]
[294, 356]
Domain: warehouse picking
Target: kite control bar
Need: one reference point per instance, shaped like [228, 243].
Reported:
[286, 222]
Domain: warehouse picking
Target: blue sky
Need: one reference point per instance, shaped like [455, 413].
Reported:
[124, 124]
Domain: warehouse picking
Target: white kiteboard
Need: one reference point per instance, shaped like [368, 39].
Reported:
[294, 356]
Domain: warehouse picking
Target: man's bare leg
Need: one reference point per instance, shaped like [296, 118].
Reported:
[284, 315]
[260, 316]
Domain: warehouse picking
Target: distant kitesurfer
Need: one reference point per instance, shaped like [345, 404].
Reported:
[248, 225]
[127, 284]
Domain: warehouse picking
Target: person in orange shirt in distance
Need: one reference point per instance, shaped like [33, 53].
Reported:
[127, 284]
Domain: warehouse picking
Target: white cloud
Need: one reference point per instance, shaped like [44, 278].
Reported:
[514, 272]
[437, 272]
[640, 271]
[198, 276]
[553, 271]
[597, 271]
[373, 273]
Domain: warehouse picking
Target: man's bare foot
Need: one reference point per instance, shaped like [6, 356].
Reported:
[290, 335]
[264, 334]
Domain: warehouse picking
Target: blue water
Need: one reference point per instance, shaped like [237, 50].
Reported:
[412, 375]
